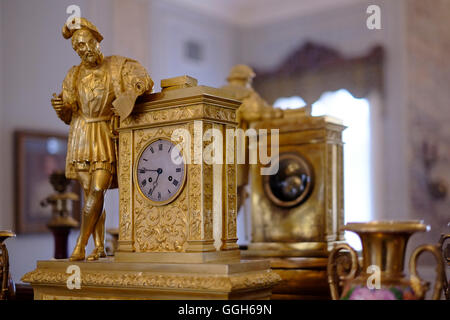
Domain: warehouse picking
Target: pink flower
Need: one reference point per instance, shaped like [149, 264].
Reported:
[374, 294]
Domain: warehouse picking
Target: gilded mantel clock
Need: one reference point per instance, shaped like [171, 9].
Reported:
[299, 210]
[172, 207]
[177, 218]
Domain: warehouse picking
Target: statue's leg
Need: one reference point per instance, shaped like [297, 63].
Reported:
[84, 178]
[99, 238]
[92, 209]
[99, 230]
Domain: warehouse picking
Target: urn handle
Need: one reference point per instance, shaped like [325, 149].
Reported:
[332, 269]
[418, 285]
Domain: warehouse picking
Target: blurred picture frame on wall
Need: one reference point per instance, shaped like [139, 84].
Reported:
[38, 154]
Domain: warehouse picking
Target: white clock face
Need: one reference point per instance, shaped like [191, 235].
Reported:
[159, 178]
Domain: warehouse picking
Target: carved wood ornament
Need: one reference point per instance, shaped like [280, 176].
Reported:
[314, 69]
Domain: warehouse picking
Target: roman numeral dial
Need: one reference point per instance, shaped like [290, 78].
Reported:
[160, 171]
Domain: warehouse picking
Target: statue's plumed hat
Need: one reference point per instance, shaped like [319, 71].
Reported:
[69, 28]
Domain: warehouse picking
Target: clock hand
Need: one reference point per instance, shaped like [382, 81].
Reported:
[156, 181]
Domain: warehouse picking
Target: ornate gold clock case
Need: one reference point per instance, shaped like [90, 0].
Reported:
[297, 213]
[175, 209]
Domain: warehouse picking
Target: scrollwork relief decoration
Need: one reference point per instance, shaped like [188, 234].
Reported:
[189, 112]
[163, 115]
[231, 219]
[207, 193]
[132, 279]
[125, 222]
[195, 193]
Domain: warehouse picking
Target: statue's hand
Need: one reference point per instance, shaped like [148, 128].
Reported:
[62, 110]
[57, 103]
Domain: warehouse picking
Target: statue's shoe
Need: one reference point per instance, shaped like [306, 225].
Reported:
[77, 255]
[96, 254]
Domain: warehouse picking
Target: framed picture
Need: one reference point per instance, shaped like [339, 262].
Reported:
[37, 155]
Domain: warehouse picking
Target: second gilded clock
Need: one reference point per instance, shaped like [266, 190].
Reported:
[160, 171]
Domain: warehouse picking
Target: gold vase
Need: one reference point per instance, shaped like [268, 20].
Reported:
[380, 275]
[7, 286]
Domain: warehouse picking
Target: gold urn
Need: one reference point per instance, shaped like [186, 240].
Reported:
[380, 276]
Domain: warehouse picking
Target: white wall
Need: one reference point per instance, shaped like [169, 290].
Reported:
[342, 28]
[171, 26]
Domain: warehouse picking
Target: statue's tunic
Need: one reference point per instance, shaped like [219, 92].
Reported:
[88, 95]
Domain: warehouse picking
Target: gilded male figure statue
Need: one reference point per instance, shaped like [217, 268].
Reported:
[94, 94]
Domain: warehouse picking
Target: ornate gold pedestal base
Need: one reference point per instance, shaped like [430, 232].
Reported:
[106, 279]
[303, 278]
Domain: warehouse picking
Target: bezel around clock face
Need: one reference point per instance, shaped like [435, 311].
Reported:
[292, 184]
[161, 162]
